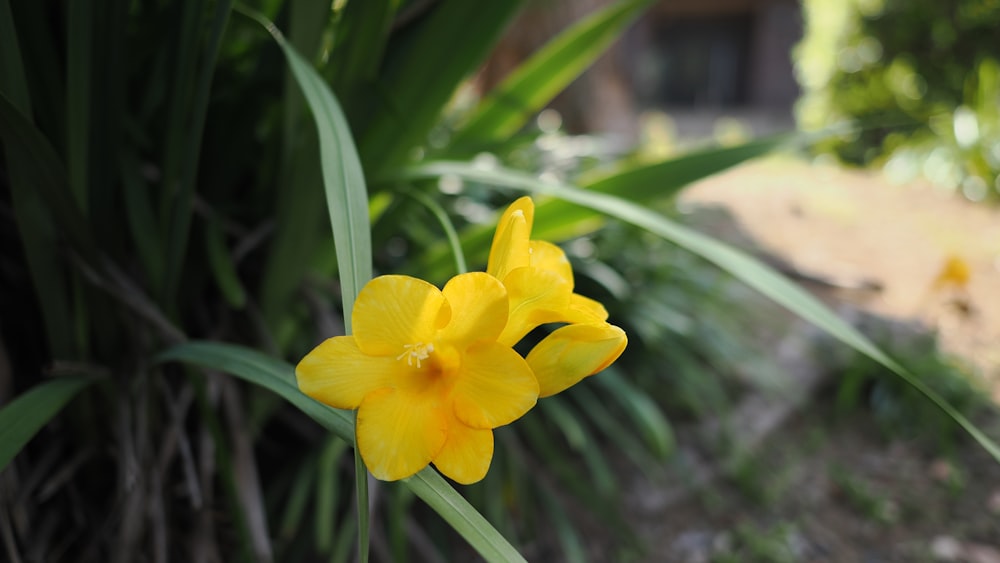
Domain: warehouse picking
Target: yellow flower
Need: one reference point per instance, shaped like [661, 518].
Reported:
[539, 282]
[955, 272]
[426, 373]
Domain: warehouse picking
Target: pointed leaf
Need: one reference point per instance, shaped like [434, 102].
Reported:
[23, 417]
[741, 265]
[547, 73]
[279, 377]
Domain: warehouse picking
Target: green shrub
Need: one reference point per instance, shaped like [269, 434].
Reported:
[920, 78]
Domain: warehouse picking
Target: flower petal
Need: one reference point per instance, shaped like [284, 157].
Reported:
[394, 311]
[536, 297]
[548, 256]
[399, 433]
[467, 453]
[495, 387]
[481, 304]
[510, 248]
[585, 310]
[573, 352]
[337, 373]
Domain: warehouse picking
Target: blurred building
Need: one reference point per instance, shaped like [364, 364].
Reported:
[697, 60]
[719, 53]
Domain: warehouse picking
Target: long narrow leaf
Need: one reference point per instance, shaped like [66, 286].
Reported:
[547, 73]
[262, 370]
[26, 145]
[21, 419]
[186, 142]
[37, 182]
[78, 49]
[744, 267]
[347, 202]
[363, 32]
[645, 183]
[346, 195]
[299, 207]
[425, 62]
[279, 377]
[435, 491]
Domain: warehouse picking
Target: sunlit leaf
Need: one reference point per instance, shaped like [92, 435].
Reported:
[741, 265]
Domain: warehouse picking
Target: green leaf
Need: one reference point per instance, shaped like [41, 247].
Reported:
[644, 183]
[279, 377]
[424, 64]
[446, 225]
[297, 498]
[188, 112]
[23, 417]
[347, 203]
[327, 492]
[141, 218]
[362, 33]
[265, 371]
[223, 268]
[744, 267]
[13, 81]
[26, 145]
[649, 182]
[46, 215]
[464, 519]
[299, 207]
[346, 196]
[547, 73]
[645, 414]
[78, 73]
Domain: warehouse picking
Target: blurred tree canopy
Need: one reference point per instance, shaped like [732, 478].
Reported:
[920, 77]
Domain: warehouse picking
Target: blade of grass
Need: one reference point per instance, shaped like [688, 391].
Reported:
[644, 183]
[226, 469]
[267, 372]
[547, 73]
[107, 101]
[78, 50]
[327, 491]
[298, 497]
[449, 228]
[422, 67]
[23, 417]
[364, 502]
[744, 267]
[363, 32]
[141, 219]
[299, 206]
[652, 181]
[647, 417]
[347, 202]
[279, 377]
[221, 264]
[188, 124]
[464, 519]
[343, 178]
[569, 538]
[34, 180]
[31, 151]
[35, 177]
[13, 80]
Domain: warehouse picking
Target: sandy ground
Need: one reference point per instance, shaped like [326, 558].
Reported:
[822, 487]
[851, 226]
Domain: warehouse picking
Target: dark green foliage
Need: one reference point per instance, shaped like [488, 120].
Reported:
[900, 410]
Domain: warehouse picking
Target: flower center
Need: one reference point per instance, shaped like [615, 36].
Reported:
[415, 353]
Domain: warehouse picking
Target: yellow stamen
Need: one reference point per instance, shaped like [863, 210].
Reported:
[418, 352]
